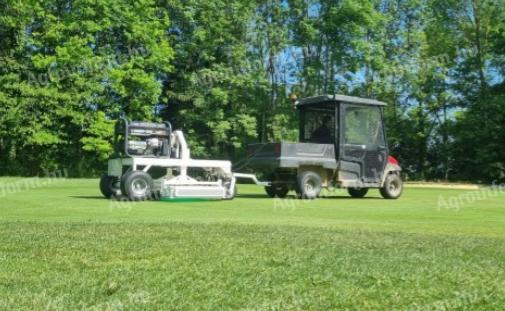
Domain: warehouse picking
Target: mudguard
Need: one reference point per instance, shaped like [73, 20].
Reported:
[390, 169]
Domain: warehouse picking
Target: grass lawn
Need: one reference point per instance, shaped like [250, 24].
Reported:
[64, 247]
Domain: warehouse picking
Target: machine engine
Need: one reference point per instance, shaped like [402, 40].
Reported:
[143, 139]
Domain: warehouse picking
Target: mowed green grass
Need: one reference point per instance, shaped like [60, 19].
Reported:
[63, 247]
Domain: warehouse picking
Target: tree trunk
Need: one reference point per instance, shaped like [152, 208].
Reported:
[478, 44]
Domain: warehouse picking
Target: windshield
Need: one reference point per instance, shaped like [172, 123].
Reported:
[363, 126]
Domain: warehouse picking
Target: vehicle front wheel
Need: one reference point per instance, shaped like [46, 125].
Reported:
[109, 186]
[137, 185]
[309, 185]
[392, 188]
[357, 192]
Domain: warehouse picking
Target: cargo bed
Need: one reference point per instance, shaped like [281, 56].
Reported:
[268, 156]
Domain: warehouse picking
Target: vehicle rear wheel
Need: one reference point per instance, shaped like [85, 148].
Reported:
[109, 186]
[137, 185]
[309, 185]
[280, 191]
[392, 188]
[357, 192]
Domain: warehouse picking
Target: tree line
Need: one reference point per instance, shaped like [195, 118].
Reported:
[223, 71]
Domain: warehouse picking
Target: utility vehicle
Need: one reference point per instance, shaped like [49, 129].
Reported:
[342, 143]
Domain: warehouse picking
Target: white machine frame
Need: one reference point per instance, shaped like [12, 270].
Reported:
[182, 185]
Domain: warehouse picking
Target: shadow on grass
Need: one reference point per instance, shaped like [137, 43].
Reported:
[349, 198]
[252, 196]
[264, 196]
[89, 197]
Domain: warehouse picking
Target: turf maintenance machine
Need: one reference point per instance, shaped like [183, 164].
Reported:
[152, 161]
[342, 144]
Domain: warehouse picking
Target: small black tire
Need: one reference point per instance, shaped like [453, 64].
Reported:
[109, 186]
[309, 185]
[270, 191]
[392, 188]
[137, 185]
[280, 191]
[357, 192]
[122, 182]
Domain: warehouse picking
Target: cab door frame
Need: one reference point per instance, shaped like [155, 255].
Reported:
[361, 165]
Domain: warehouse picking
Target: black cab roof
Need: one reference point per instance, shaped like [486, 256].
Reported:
[338, 98]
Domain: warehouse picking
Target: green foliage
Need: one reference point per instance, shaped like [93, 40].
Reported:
[222, 71]
[483, 122]
[68, 71]
[98, 137]
[210, 93]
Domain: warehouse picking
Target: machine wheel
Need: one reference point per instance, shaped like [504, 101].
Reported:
[137, 185]
[109, 186]
[357, 192]
[280, 191]
[309, 185]
[392, 188]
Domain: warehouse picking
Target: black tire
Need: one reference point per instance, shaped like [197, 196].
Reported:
[137, 185]
[109, 186]
[270, 191]
[309, 185]
[392, 188]
[357, 192]
[122, 182]
[280, 191]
